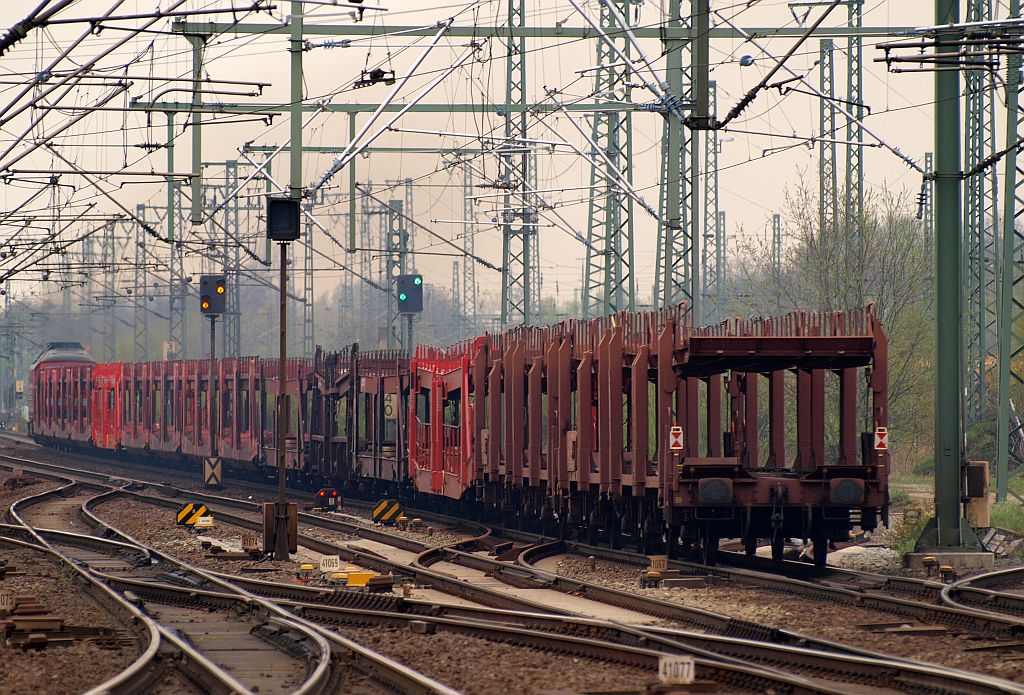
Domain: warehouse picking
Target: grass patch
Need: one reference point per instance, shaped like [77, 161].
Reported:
[905, 531]
[899, 498]
[1008, 515]
[911, 479]
[1015, 483]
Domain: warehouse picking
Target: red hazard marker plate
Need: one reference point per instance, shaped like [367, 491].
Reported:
[675, 439]
[881, 439]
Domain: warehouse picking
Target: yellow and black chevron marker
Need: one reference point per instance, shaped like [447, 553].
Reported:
[190, 512]
[386, 511]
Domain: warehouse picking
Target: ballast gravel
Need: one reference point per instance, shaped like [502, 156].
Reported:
[155, 527]
[840, 623]
[58, 670]
[481, 667]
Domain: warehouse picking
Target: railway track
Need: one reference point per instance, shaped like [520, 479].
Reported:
[142, 590]
[714, 628]
[232, 646]
[228, 642]
[728, 638]
[988, 593]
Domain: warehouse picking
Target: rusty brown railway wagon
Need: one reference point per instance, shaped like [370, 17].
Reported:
[567, 428]
[637, 427]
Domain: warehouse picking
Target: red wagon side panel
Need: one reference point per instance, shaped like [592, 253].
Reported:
[108, 405]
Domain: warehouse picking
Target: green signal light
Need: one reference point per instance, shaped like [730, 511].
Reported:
[402, 296]
[417, 280]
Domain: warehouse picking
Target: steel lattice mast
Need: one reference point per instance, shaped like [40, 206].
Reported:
[468, 295]
[677, 267]
[979, 212]
[854, 131]
[928, 202]
[520, 275]
[608, 282]
[1011, 282]
[828, 189]
[232, 343]
[307, 282]
[176, 291]
[712, 251]
[141, 288]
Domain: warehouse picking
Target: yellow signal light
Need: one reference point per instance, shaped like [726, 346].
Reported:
[220, 289]
[205, 304]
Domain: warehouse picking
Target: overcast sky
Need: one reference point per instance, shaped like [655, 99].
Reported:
[752, 185]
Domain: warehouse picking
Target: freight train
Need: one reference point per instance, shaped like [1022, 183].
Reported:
[637, 428]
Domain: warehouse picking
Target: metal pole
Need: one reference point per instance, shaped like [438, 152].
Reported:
[947, 530]
[281, 516]
[213, 391]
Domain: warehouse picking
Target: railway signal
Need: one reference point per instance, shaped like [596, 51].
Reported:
[213, 292]
[282, 219]
[409, 290]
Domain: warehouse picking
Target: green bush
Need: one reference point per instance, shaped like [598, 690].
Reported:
[924, 468]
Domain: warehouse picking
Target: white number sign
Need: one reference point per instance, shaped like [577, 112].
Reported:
[676, 670]
[330, 563]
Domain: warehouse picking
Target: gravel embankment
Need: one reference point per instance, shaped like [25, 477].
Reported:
[9, 497]
[428, 532]
[870, 559]
[154, 526]
[57, 670]
[846, 624]
[480, 667]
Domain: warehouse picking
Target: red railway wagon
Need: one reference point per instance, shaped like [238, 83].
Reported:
[60, 403]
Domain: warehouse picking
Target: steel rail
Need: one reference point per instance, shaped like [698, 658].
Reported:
[922, 670]
[972, 593]
[913, 674]
[144, 672]
[316, 682]
[204, 671]
[965, 619]
[374, 665]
